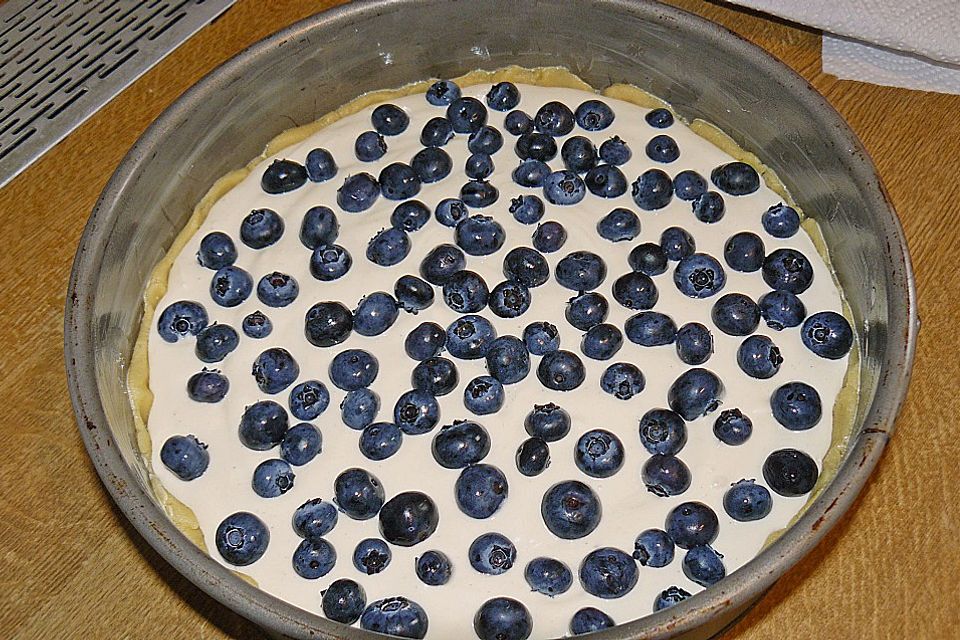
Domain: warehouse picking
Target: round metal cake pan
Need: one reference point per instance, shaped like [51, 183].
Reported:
[312, 67]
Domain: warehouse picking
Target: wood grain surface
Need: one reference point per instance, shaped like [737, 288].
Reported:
[71, 567]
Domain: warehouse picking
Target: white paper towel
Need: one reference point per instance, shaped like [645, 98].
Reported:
[903, 43]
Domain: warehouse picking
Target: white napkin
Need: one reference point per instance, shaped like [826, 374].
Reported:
[902, 43]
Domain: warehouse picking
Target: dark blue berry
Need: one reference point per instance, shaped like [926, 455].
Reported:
[478, 166]
[615, 151]
[216, 251]
[442, 92]
[466, 292]
[413, 294]
[692, 524]
[263, 425]
[380, 440]
[436, 133]
[320, 165]
[330, 262]
[735, 314]
[598, 453]
[703, 565]
[780, 221]
[503, 96]
[547, 421]
[508, 360]
[492, 554]
[434, 568]
[375, 313]
[732, 427]
[277, 289]
[436, 376]
[790, 473]
[659, 118]
[665, 475]
[652, 190]
[735, 178]
[580, 271]
[442, 262]
[369, 146]
[410, 216]
[371, 556]
[548, 576]
[207, 386]
[622, 380]
[230, 286]
[531, 173]
[430, 165]
[469, 337]
[216, 342]
[327, 324]
[486, 140]
[450, 211]
[460, 444]
[578, 154]
[662, 148]
[274, 370]
[689, 185]
[182, 319]
[283, 176]
[509, 299]
[353, 369]
[343, 601]
[594, 115]
[518, 123]
[416, 412]
[242, 538]
[788, 270]
[358, 493]
[653, 548]
[648, 258]
[561, 371]
[677, 243]
[695, 393]
[256, 325]
[669, 597]
[478, 194]
[618, 225]
[606, 181]
[588, 620]
[709, 207]
[309, 399]
[699, 276]
[781, 309]
[796, 406]
[827, 334]
[526, 266]
[541, 338]
[185, 456]
[635, 290]
[608, 573]
[759, 357]
[744, 252]
[564, 188]
[319, 227]
[301, 444]
[601, 342]
[554, 118]
[466, 115]
[527, 209]
[314, 559]
[359, 408]
[533, 457]
[395, 616]
[272, 478]
[746, 501]
[549, 237]
[314, 519]
[358, 193]
[694, 343]
[399, 181]
[480, 490]
[662, 432]
[425, 341]
[483, 395]
[389, 119]
[570, 509]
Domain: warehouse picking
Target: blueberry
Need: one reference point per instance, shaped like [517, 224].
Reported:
[759, 357]
[369, 146]
[408, 518]
[509, 299]
[469, 337]
[618, 225]
[736, 178]
[508, 360]
[230, 286]
[581, 271]
[483, 395]
[781, 221]
[434, 568]
[327, 324]
[662, 432]
[309, 399]
[622, 380]
[615, 151]
[662, 148]
[416, 412]
[358, 493]
[588, 620]
[410, 216]
[343, 601]
[277, 289]
[695, 393]
[314, 519]
[547, 421]
[359, 408]
[531, 173]
[703, 565]
[329, 262]
[659, 118]
[375, 313]
[650, 329]
[319, 227]
[275, 369]
[601, 342]
[182, 319]
[425, 341]
[465, 292]
[263, 425]
[561, 370]
[735, 314]
[526, 267]
[450, 211]
[790, 473]
[689, 185]
[564, 188]
[441, 263]
[594, 115]
[216, 342]
[549, 237]
[746, 501]
[272, 478]
[677, 243]
[796, 406]
[788, 270]
[518, 123]
[598, 453]
[437, 376]
[478, 166]
[207, 386]
[395, 616]
[533, 457]
[320, 165]
[413, 294]
[554, 118]
[466, 115]
[389, 119]
[648, 258]
[436, 133]
[578, 154]
[185, 456]
[480, 490]
[428, 165]
[653, 548]
[486, 140]
[492, 554]
[669, 597]
[744, 252]
[694, 343]
[652, 190]
[709, 207]
[353, 369]
[732, 427]
[256, 325]
[635, 290]
[216, 251]
[827, 334]
[242, 538]
[301, 444]
[608, 573]
[699, 276]
[480, 235]
[536, 146]
[665, 475]
[541, 338]
[570, 509]
[314, 559]
[781, 309]
[358, 193]
[503, 96]
[442, 92]
[283, 176]
[527, 209]
[692, 524]
[371, 556]
[606, 181]
[460, 444]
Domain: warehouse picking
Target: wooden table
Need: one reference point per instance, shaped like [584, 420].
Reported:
[71, 566]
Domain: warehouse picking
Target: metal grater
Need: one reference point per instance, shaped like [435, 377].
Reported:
[61, 60]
